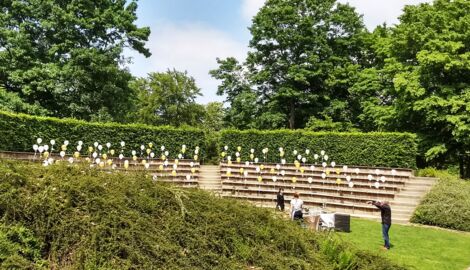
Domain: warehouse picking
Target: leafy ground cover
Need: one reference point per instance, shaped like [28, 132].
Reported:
[64, 217]
[447, 205]
[416, 247]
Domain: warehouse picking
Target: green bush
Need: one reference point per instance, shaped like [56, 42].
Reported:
[371, 149]
[18, 132]
[87, 219]
[447, 205]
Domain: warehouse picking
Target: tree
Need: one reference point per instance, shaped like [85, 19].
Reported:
[11, 102]
[66, 56]
[423, 83]
[214, 116]
[167, 98]
[304, 53]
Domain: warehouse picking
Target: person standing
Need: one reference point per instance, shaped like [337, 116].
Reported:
[296, 207]
[280, 200]
[386, 214]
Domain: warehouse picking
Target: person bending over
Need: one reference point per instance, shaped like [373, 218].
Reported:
[386, 213]
[296, 207]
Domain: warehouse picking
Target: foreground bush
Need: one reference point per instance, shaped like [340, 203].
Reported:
[79, 218]
[447, 204]
[369, 149]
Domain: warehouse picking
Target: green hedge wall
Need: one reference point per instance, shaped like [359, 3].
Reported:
[18, 132]
[369, 149]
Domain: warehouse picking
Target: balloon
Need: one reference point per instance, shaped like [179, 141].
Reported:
[97, 161]
[90, 149]
[377, 171]
[109, 161]
[247, 163]
[241, 170]
[66, 143]
[281, 149]
[326, 157]
[322, 152]
[356, 170]
[147, 165]
[175, 166]
[260, 178]
[39, 140]
[274, 178]
[237, 154]
[148, 151]
[226, 147]
[123, 143]
[351, 184]
[35, 147]
[167, 153]
[312, 167]
[256, 160]
[299, 157]
[177, 161]
[229, 162]
[151, 145]
[283, 172]
[79, 148]
[229, 158]
[307, 151]
[302, 170]
[252, 150]
[162, 148]
[133, 152]
[53, 142]
[46, 147]
[46, 154]
[63, 147]
[257, 169]
[315, 156]
[121, 156]
[252, 156]
[96, 144]
[261, 167]
[348, 178]
[126, 164]
[239, 159]
[173, 173]
[160, 167]
[191, 164]
[239, 148]
[41, 149]
[304, 160]
[323, 175]
[310, 180]
[345, 168]
[193, 170]
[188, 177]
[278, 166]
[324, 164]
[245, 173]
[142, 147]
[294, 179]
[333, 164]
[394, 172]
[377, 185]
[100, 147]
[295, 152]
[369, 177]
[62, 153]
[108, 145]
[104, 156]
[283, 161]
[76, 154]
[338, 181]
[152, 155]
[382, 178]
[134, 158]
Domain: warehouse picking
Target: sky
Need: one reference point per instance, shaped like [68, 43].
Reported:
[189, 35]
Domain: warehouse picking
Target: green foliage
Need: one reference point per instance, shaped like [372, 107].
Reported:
[167, 98]
[371, 149]
[18, 132]
[11, 102]
[214, 116]
[87, 219]
[66, 56]
[327, 124]
[19, 249]
[447, 205]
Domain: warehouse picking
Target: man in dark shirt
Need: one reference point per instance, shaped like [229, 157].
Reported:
[280, 200]
[386, 213]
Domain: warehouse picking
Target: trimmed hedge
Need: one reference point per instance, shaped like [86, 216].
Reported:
[18, 132]
[447, 205]
[368, 149]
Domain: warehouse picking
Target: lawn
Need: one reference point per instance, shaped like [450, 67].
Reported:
[414, 246]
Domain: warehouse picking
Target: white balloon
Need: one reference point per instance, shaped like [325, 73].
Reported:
[326, 157]
[62, 153]
[256, 160]
[310, 180]
[307, 151]
[142, 147]
[345, 168]
[66, 142]
[188, 177]
[283, 172]
[183, 146]
[147, 165]
[52, 142]
[237, 154]
[245, 173]
[229, 170]
[196, 151]
[278, 166]
[315, 156]
[258, 169]
[333, 164]
[95, 144]
[377, 171]
[41, 149]
[108, 145]
[162, 148]
[97, 161]
[369, 177]
[229, 158]
[348, 178]
[351, 184]
[322, 152]
[133, 152]
[46, 147]
[79, 148]
[299, 157]
[191, 164]
[35, 147]
[94, 154]
[247, 163]
[356, 170]
[226, 148]
[312, 168]
[377, 185]
[50, 160]
[165, 163]
[304, 160]
[175, 166]
[394, 172]
[80, 143]
[121, 156]
[100, 147]
[252, 150]
[152, 154]
[123, 143]
[382, 178]
[167, 153]
[281, 149]
[295, 152]
[323, 164]
[70, 160]
[39, 140]
[274, 178]
[323, 175]
[283, 161]
[180, 156]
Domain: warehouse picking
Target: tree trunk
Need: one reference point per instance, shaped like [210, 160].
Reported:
[292, 116]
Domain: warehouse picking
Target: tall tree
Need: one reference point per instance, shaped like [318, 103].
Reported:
[167, 98]
[66, 56]
[304, 53]
[424, 83]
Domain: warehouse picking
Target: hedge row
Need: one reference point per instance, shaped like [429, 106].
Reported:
[370, 149]
[18, 132]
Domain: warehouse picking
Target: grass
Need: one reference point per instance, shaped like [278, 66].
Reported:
[417, 247]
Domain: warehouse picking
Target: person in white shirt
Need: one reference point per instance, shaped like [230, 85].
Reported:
[296, 207]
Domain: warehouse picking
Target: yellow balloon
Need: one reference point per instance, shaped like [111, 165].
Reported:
[90, 149]
[260, 178]
[148, 151]
[223, 154]
[160, 167]
[173, 173]
[196, 157]
[126, 164]
[272, 170]
[183, 150]
[76, 154]
[239, 159]
[134, 158]
[261, 167]
[229, 174]
[150, 145]
[193, 170]
[297, 165]
[338, 181]
[105, 156]
[112, 152]
[101, 164]
[63, 147]
[338, 171]
[163, 157]
[110, 162]
[281, 154]
[144, 161]
[46, 154]
[241, 170]
[302, 170]
[252, 156]
[327, 172]
[239, 148]
[229, 162]
[294, 179]
[177, 161]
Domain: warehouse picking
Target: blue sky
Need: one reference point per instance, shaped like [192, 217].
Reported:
[190, 34]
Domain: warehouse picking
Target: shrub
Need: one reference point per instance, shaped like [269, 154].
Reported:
[371, 149]
[18, 132]
[88, 219]
[447, 205]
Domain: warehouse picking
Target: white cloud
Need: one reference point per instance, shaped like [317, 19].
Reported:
[190, 47]
[251, 7]
[377, 12]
